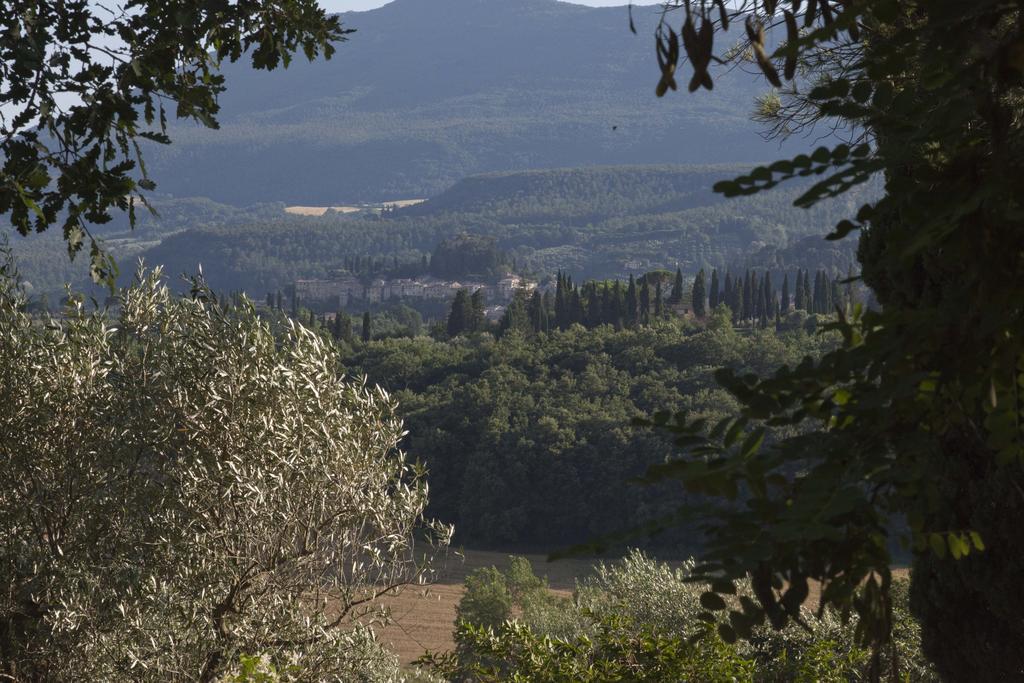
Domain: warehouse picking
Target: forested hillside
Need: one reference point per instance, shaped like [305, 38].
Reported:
[527, 437]
[426, 93]
[580, 195]
[593, 223]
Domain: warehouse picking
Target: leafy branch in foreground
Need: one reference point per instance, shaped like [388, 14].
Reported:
[916, 422]
[81, 84]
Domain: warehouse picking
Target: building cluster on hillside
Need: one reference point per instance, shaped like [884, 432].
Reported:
[345, 289]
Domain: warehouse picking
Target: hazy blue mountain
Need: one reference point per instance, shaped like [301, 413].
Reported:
[427, 92]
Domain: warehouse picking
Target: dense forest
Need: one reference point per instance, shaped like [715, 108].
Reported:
[526, 429]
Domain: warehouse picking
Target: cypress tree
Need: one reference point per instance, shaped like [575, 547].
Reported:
[645, 303]
[728, 293]
[366, 326]
[632, 304]
[346, 328]
[784, 304]
[826, 293]
[713, 295]
[799, 303]
[561, 310]
[677, 288]
[815, 300]
[593, 306]
[766, 304]
[538, 316]
[607, 305]
[618, 315]
[659, 306]
[757, 296]
[578, 315]
[747, 305]
[515, 318]
[818, 300]
[460, 316]
[699, 295]
[270, 300]
[807, 291]
[477, 320]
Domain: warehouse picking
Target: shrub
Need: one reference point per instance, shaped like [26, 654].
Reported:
[487, 601]
[650, 593]
[522, 582]
[631, 606]
[618, 650]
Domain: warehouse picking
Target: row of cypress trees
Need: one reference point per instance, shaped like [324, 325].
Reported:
[635, 303]
[751, 295]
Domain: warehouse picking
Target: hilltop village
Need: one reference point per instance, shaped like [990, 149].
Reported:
[344, 289]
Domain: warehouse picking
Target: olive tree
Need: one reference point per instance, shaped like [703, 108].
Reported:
[181, 489]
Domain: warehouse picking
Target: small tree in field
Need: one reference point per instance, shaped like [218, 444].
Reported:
[487, 601]
[180, 490]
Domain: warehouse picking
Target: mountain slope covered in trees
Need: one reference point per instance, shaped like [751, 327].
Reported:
[426, 93]
[546, 221]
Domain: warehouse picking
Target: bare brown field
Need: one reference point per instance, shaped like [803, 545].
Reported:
[424, 617]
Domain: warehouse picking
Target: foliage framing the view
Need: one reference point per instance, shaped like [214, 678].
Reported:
[918, 415]
[81, 84]
[182, 487]
[624, 622]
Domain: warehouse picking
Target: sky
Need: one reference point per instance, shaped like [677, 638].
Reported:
[359, 5]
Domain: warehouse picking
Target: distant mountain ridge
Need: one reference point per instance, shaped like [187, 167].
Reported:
[427, 92]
